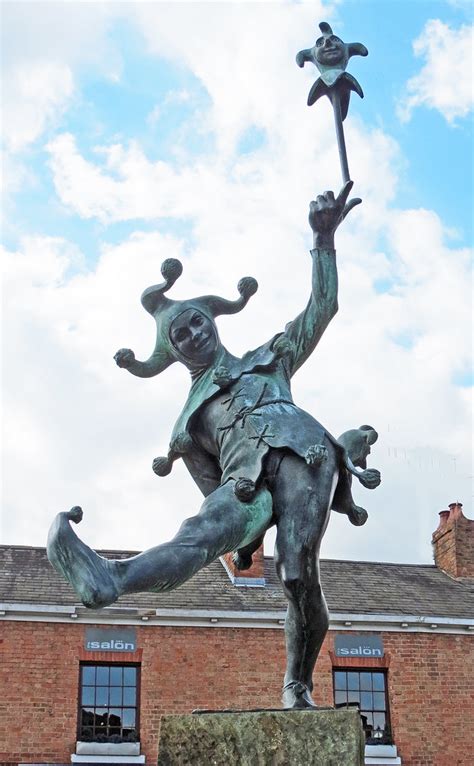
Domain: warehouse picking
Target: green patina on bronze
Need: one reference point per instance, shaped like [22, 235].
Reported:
[258, 458]
[331, 56]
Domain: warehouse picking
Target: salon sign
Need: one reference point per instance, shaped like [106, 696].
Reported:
[110, 640]
[348, 645]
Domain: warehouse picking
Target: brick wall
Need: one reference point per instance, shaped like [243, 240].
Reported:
[182, 669]
[431, 696]
[430, 685]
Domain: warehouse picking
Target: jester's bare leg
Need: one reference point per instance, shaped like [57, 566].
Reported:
[302, 498]
[223, 524]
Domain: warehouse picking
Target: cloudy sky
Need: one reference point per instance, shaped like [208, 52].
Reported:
[134, 132]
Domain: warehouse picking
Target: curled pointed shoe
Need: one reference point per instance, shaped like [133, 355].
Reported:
[90, 575]
[297, 696]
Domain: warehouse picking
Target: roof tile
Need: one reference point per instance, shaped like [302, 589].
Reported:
[356, 587]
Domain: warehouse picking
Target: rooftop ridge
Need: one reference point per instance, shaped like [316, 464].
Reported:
[11, 546]
[385, 563]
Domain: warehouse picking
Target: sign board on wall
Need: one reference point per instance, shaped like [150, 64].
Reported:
[110, 639]
[348, 645]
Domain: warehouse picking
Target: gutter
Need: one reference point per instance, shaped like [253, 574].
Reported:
[205, 618]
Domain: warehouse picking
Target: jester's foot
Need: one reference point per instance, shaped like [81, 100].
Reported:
[296, 696]
[91, 576]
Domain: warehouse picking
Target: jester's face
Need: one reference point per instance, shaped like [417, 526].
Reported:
[330, 50]
[195, 337]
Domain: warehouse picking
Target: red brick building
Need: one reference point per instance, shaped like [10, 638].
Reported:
[90, 687]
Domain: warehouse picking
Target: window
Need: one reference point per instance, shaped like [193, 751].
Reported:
[108, 703]
[368, 689]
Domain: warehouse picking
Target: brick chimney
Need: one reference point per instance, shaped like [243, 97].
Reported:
[254, 576]
[453, 542]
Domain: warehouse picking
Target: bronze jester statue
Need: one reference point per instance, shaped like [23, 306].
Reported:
[258, 459]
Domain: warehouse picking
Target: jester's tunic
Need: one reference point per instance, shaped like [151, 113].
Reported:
[239, 409]
[255, 414]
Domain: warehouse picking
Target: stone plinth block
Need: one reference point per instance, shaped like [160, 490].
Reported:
[263, 738]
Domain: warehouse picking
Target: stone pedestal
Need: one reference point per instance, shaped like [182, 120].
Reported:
[263, 738]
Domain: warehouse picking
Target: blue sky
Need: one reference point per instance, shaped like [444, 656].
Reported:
[427, 135]
[149, 130]
[106, 110]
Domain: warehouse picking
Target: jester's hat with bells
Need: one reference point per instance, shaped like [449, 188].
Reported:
[165, 311]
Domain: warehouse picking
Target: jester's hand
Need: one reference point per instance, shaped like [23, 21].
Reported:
[124, 357]
[327, 212]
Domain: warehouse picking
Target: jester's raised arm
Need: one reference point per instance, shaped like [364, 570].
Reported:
[186, 330]
[304, 332]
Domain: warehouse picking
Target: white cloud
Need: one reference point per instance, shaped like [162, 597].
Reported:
[445, 81]
[70, 416]
[124, 187]
[35, 95]
[16, 176]
[71, 32]
[44, 47]
[86, 432]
